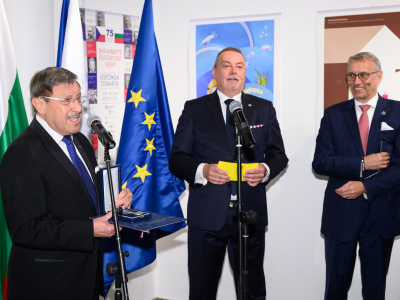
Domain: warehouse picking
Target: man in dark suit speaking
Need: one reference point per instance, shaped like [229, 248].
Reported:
[358, 147]
[50, 190]
[201, 141]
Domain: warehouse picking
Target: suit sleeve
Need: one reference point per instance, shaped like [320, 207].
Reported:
[181, 163]
[326, 161]
[26, 195]
[275, 156]
[389, 177]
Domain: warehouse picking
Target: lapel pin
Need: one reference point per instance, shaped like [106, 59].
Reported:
[383, 113]
[250, 105]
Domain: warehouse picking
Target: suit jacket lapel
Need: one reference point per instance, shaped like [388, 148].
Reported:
[247, 111]
[351, 120]
[60, 156]
[89, 166]
[374, 131]
[215, 112]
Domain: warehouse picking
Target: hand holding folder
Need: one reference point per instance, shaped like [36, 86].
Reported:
[231, 168]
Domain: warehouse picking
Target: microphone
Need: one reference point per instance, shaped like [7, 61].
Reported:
[105, 137]
[242, 126]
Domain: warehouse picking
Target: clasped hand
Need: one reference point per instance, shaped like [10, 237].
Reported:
[376, 161]
[353, 189]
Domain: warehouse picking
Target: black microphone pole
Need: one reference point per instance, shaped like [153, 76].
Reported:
[242, 293]
[244, 219]
[120, 272]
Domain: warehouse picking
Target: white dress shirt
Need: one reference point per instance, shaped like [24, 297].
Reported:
[58, 139]
[199, 178]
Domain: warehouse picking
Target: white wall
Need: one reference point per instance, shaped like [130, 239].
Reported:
[294, 260]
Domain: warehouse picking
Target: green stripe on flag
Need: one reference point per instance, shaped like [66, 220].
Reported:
[15, 124]
[119, 36]
[16, 119]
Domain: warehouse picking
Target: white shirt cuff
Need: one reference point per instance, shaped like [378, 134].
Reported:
[266, 177]
[199, 178]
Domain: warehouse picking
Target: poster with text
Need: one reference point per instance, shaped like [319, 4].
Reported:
[345, 36]
[110, 46]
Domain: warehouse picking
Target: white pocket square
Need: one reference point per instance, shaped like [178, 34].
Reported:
[385, 127]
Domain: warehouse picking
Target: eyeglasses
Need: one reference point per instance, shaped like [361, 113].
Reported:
[67, 102]
[363, 76]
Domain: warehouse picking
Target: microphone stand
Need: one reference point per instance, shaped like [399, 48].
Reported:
[113, 269]
[244, 219]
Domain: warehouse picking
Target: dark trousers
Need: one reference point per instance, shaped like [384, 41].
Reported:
[374, 252]
[98, 287]
[206, 253]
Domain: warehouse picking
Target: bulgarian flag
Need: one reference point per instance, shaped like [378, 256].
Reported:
[12, 121]
[119, 38]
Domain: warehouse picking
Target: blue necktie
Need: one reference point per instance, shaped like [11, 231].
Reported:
[231, 130]
[80, 167]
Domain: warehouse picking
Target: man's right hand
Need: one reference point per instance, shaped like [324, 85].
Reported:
[215, 175]
[102, 228]
[376, 161]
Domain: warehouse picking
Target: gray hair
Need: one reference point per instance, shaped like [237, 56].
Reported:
[365, 55]
[43, 81]
[227, 49]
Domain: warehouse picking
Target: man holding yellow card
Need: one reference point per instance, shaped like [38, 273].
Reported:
[204, 139]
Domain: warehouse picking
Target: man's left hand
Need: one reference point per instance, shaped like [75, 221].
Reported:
[351, 190]
[254, 176]
[124, 198]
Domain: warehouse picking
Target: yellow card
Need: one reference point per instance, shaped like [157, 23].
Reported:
[231, 168]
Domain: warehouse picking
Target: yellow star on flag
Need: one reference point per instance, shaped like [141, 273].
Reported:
[150, 147]
[136, 98]
[124, 185]
[149, 120]
[142, 172]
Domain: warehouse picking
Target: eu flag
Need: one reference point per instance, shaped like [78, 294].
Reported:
[144, 149]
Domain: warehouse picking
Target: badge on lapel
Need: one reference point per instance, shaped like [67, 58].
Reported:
[256, 126]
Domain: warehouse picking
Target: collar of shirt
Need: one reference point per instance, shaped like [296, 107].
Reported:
[55, 135]
[223, 97]
[58, 139]
[373, 102]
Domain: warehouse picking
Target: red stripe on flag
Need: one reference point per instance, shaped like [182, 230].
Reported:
[5, 288]
[102, 38]
[119, 41]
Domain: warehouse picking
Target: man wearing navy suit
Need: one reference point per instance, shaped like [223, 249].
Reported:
[358, 147]
[56, 251]
[201, 141]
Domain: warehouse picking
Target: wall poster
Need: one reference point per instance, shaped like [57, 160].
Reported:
[110, 47]
[255, 37]
[345, 36]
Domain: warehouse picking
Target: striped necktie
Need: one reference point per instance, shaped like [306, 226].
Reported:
[80, 167]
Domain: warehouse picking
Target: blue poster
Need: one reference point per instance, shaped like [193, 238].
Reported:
[254, 38]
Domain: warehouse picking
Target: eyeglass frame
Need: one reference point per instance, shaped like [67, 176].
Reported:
[358, 75]
[67, 102]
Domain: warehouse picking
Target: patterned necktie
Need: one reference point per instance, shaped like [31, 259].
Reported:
[80, 167]
[231, 130]
[363, 125]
